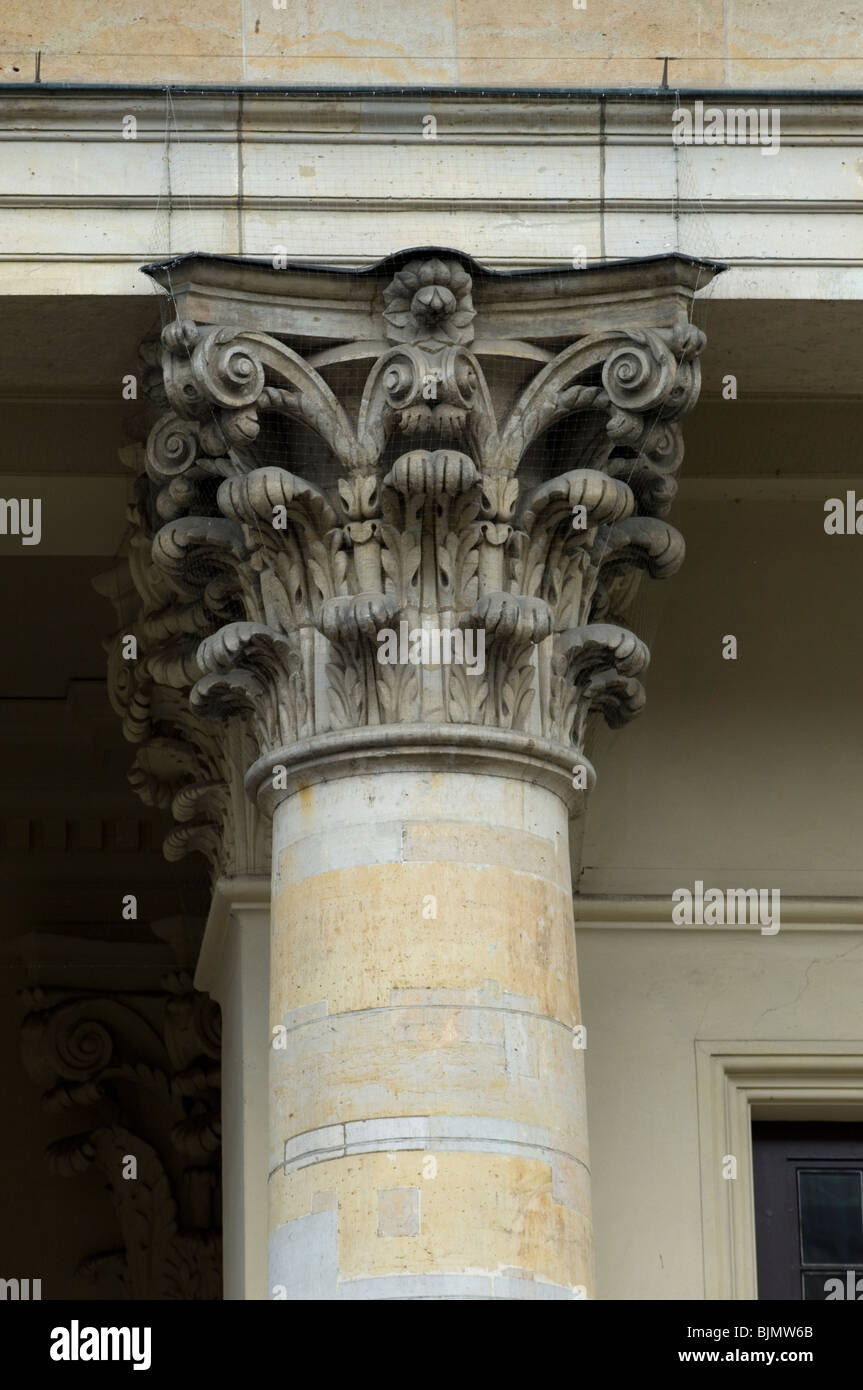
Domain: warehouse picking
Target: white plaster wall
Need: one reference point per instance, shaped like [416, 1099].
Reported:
[648, 995]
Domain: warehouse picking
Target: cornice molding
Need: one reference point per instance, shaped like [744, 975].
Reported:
[356, 116]
[419, 202]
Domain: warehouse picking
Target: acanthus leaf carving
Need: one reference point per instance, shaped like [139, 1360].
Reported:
[431, 501]
[181, 764]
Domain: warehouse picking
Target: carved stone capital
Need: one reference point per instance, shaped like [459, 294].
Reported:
[182, 763]
[140, 1069]
[438, 474]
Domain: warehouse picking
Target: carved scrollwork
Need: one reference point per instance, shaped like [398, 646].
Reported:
[181, 764]
[243, 374]
[423, 390]
[143, 1067]
[650, 467]
[443, 511]
[643, 541]
[252, 669]
[639, 374]
[173, 446]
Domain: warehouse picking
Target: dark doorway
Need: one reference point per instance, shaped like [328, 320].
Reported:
[809, 1210]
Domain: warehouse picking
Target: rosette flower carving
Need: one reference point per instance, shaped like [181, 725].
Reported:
[430, 301]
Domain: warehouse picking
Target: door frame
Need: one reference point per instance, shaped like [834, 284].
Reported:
[738, 1082]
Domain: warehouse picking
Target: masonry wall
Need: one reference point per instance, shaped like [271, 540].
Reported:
[710, 43]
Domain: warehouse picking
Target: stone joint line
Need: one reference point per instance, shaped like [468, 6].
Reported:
[451, 1008]
[435, 1133]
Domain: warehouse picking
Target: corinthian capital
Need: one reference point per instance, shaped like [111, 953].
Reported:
[423, 445]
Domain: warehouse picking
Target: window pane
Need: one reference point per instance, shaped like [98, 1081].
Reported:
[831, 1217]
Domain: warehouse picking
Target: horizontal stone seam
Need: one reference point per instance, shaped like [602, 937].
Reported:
[418, 1127]
[27, 257]
[397, 1008]
[402, 828]
[510, 1148]
[549, 881]
[371, 203]
[427, 1285]
[546, 880]
[479, 1281]
[585, 139]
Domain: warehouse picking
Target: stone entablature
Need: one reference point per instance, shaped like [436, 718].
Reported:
[523, 180]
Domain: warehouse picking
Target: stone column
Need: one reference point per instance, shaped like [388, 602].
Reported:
[325, 511]
[427, 1112]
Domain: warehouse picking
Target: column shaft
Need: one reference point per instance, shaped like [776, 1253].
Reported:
[427, 1120]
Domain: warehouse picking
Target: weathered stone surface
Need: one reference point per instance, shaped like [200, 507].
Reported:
[441, 511]
[180, 765]
[474, 42]
[138, 1067]
[423, 990]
